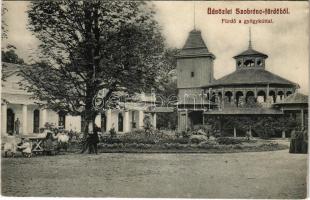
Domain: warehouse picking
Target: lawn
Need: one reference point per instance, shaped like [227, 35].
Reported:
[273, 174]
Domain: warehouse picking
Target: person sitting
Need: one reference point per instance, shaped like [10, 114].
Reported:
[63, 139]
[26, 148]
[10, 146]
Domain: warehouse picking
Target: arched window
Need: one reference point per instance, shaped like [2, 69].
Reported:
[273, 95]
[219, 94]
[259, 63]
[120, 122]
[280, 95]
[36, 121]
[249, 63]
[239, 94]
[213, 97]
[228, 94]
[249, 94]
[239, 63]
[288, 93]
[261, 97]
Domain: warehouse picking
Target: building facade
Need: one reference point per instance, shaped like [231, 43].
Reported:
[16, 103]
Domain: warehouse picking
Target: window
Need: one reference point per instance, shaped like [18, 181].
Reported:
[62, 119]
[259, 63]
[239, 63]
[249, 63]
[192, 74]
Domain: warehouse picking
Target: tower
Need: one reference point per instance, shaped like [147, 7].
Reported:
[194, 71]
[250, 59]
[194, 65]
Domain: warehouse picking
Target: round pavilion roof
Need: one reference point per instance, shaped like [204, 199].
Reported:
[251, 77]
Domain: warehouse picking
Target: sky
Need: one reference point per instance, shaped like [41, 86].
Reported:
[285, 41]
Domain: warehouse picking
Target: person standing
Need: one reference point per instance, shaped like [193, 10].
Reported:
[17, 126]
[94, 139]
[305, 141]
[293, 141]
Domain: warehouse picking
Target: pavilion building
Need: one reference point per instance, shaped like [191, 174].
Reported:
[249, 90]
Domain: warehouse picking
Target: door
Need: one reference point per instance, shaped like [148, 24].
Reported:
[120, 122]
[10, 121]
[103, 123]
[182, 121]
[36, 121]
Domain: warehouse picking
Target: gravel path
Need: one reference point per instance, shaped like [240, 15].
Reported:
[275, 174]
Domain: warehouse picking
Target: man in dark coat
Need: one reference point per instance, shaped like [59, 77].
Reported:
[94, 139]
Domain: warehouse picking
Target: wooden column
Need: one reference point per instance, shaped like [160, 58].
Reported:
[24, 120]
[283, 134]
[302, 118]
[108, 116]
[154, 120]
[43, 118]
[126, 122]
[141, 118]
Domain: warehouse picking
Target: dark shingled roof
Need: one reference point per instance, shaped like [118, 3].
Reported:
[251, 76]
[195, 46]
[244, 111]
[251, 52]
[296, 98]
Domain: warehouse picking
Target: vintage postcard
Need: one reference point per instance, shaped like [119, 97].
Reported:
[154, 99]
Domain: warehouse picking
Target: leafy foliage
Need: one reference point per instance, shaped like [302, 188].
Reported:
[4, 30]
[264, 126]
[88, 46]
[11, 57]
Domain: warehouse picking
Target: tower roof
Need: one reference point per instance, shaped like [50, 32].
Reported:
[251, 52]
[194, 40]
[195, 46]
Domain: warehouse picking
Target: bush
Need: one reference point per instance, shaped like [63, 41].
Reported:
[139, 136]
[112, 140]
[238, 147]
[197, 139]
[228, 141]
[174, 140]
[186, 134]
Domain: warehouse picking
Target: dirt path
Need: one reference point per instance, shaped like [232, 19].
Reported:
[274, 174]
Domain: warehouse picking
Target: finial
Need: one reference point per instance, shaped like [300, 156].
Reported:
[250, 39]
[194, 15]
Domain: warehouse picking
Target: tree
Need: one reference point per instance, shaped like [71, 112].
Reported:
[11, 57]
[88, 46]
[4, 30]
[166, 91]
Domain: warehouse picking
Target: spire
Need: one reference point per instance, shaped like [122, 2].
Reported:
[194, 15]
[250, 38]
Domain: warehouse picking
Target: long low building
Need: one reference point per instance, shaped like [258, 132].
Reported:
[20, 111]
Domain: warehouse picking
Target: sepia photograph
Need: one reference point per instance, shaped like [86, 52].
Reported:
[154, 99]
